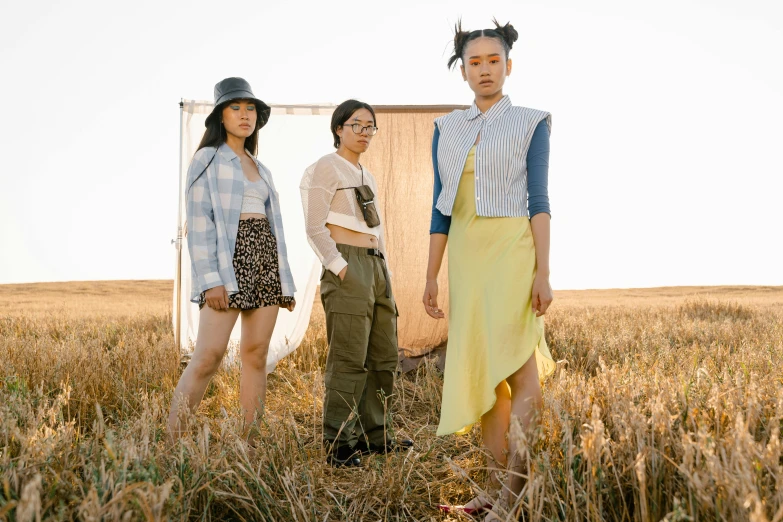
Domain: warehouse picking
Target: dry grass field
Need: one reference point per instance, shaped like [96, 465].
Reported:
[670, 406]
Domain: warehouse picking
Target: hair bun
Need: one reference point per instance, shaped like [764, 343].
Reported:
[510, 35]
[460, 39]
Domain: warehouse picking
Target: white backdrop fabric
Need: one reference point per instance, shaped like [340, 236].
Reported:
[294, 137]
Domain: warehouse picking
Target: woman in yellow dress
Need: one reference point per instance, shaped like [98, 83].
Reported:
[491, 207]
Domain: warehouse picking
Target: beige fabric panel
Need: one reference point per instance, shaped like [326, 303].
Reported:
[401, 160]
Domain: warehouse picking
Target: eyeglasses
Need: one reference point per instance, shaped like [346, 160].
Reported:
[358, 129]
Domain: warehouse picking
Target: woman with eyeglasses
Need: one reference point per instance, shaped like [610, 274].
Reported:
[344, 230]
[491, 206]
[237, 251]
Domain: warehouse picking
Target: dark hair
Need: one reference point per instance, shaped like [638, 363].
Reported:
[506, 34]
[215, 135]
[343, 112]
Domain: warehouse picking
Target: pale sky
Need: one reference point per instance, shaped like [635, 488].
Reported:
[665, 167]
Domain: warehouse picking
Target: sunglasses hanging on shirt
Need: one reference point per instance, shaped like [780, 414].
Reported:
[366, 199]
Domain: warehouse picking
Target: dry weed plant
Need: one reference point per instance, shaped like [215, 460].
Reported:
[668, 408]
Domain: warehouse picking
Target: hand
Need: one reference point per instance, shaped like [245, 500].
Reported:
[542, 294]
[430, 300]
[342, 273]
[217, 298]
[290, 305]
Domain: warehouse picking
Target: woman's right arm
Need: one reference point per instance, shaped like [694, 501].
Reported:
[439, 229]
[202, 238]
[430, 299]
[317, 191]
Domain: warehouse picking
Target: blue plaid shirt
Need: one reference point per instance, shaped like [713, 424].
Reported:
[214, 196]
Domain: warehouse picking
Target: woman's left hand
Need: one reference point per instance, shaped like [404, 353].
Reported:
[542, 294]
[289, 305]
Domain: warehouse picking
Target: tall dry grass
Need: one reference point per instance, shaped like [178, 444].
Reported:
[670, 407]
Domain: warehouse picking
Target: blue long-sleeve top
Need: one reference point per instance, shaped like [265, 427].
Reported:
[537, 178]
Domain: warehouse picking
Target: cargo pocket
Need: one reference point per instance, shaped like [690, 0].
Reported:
[339, 399]
[350, 333]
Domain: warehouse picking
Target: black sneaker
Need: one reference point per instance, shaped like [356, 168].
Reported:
[344, 456]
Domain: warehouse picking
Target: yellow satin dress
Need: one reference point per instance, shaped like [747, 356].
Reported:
[493, 329]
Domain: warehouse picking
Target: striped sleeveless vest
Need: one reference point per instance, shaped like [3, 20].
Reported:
[501, 156]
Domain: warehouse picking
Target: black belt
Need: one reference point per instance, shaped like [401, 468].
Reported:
[375, 252]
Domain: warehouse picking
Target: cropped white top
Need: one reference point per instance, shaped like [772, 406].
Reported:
[255, 197]
[328, 198]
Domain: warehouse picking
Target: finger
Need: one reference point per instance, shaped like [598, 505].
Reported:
[434, 312]
[536, 304]
[542, 306]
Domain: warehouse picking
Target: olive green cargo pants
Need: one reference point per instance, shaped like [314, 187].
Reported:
[361, 327]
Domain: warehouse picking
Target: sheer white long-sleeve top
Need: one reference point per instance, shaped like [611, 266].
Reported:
[328, 198]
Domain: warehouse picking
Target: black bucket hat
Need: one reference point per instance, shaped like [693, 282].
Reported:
[238, 89]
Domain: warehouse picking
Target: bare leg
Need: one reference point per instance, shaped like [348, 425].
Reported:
[257, 327]
[526, 402]
[214, 331]
[494, 425]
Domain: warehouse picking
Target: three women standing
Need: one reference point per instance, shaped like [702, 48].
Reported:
[237, 249]
[491, 166]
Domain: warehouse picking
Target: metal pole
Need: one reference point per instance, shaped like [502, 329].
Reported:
[178, 246]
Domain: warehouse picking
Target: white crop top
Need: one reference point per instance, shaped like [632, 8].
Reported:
[255, 197]
[328, 197]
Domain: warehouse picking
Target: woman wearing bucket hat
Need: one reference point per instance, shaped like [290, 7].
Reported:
[237, 248]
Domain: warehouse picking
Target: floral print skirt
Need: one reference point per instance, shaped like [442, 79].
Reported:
[256, 268]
